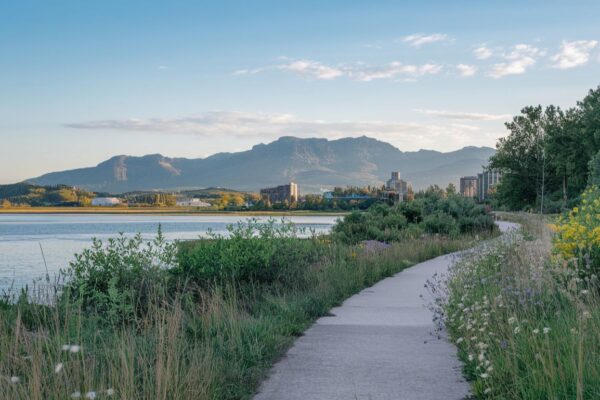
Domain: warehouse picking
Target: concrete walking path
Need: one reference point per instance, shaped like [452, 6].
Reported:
[376, 346]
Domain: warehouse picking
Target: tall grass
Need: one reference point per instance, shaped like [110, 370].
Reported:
[526, 324]
[214, 342]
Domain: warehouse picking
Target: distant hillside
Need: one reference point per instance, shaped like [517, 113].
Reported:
[312, 163]
[49, 195]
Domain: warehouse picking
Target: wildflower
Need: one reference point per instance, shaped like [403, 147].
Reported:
[58, 368]
[459, 340]
[536, 331]
[584, 292]
[481, 357]
[586, 314]
[470, 357]
[517, 329]
[573, 331]
[76, 395]
[66, 347]
[490, 369]
[546, 330]
[14, 379]
[487, 391]
[110, 392]
[512, 320]
[485, 375]
[75, 348]
[90, 395]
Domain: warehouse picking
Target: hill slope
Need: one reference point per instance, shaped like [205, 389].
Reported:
[312, 163]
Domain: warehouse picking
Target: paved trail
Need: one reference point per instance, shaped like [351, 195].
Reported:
[377, 346]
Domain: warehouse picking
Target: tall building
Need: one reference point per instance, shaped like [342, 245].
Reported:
[486, 182]
[396, 189]
[468, 186]
[280, 194]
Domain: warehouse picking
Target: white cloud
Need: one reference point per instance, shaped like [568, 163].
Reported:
[312, 68]
[163, 67]
[358, 71]
[573, 54]
[464, 116]
[420, 39]
[482, 53]
[518, 60]
[260, 126]
[466, 70]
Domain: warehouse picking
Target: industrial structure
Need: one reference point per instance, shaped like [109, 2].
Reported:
[486, 181]
[468, 186]
[280, 194]
[396, 189]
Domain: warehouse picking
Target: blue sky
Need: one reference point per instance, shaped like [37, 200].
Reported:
[81, 81]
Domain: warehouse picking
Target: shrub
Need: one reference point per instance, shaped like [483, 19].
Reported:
[578, 234]
[116, 279]
[251, 252]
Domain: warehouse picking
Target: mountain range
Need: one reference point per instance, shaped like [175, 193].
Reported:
[312, 163]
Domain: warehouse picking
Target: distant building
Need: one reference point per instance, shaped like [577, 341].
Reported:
[187, 202]
[468, 186]
[486, 181]
[280, 194]
[105, 201]
[396, 189]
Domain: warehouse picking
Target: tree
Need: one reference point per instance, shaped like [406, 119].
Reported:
[521, 158]
[450, 189]
[594, 167]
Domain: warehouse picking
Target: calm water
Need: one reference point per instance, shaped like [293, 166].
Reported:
[60, 236]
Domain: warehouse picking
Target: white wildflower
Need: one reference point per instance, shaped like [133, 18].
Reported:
[487, 391]
[470, 357]
[459, 340]
[75, 348]
[58, 368]
[14, 379]
[66, 347]
[90, 395]
[110, 392]
[536, 331]
[546, 330]
[584, 291]
[512, 320]
[586, 314]
[76, 395]
[481, 357]
[484, 375]
[517, 329]
[490, 369]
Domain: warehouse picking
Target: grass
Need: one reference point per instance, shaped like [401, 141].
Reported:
[214, 343]
[526, 324]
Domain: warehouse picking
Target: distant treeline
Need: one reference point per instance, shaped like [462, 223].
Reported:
[25, 194]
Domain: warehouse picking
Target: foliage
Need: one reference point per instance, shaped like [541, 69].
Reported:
[117, 278]
[547, 155]
[251, 252]
[525, 326]
[578, 233]
[151, 199]
[432, 211]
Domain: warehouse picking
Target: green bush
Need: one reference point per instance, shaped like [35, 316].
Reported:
[431, 212]
[251, 252]
[117, 278]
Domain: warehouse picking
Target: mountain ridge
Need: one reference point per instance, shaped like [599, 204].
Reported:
[313, 163]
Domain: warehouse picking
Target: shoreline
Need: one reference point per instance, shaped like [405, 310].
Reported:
[161, 211]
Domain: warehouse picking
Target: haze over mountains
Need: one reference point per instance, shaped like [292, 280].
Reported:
[312, 163]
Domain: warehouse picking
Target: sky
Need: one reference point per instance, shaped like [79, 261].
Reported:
[82, 81]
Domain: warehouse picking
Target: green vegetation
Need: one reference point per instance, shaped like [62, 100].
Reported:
[526, 321]
[432, 212]
[549, 156]
[27, 195]
[193, 320]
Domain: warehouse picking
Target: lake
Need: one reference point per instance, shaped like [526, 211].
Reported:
[24, 236]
